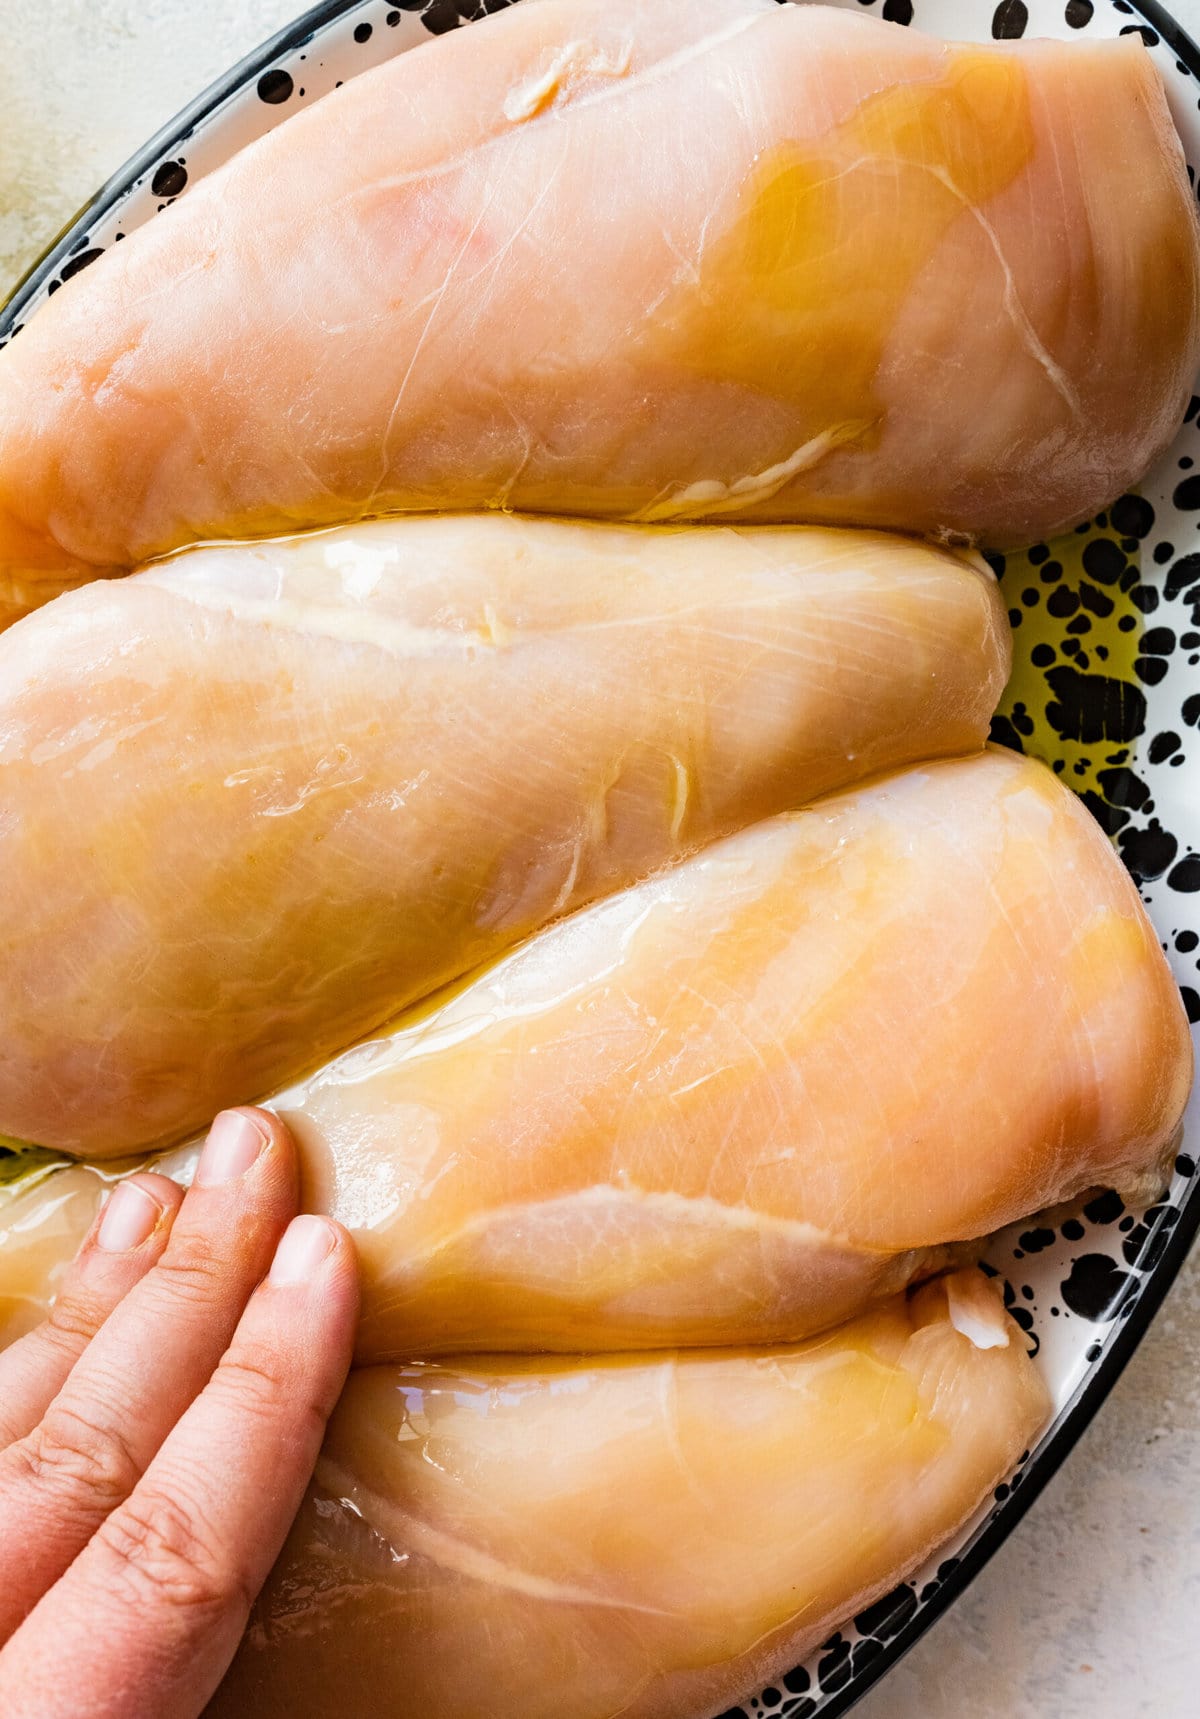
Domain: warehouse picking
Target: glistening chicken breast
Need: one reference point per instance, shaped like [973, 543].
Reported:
[650, 1538]
[258, 799]
[662, 259]
[741, 1100]
[44, 1217]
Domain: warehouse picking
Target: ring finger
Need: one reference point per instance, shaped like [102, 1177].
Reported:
[126, 1239]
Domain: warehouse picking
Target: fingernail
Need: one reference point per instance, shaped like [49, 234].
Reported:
[307, 1243]
[129, 1219]
[233, 1143]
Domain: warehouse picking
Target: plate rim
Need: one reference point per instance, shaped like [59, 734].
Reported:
[176, 130]
[1047, 1458]
[1139, 1312]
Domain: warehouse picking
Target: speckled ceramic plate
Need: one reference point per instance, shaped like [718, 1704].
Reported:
[1106, 688]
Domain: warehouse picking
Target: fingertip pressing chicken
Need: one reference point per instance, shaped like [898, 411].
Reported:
[44, 1217]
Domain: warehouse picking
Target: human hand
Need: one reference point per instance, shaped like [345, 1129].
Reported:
[158, 1430]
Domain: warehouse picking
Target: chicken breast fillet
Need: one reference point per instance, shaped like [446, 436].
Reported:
[739, 1101]
[258, 799]
[654, 259]
[44, 1217]
[644, 1537]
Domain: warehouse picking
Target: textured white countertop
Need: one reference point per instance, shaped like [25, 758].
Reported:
[1093, 1607]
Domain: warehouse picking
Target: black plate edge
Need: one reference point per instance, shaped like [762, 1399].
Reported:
[164, 142]
[1096, 1386]
[1046, 1460]
[1172, 33]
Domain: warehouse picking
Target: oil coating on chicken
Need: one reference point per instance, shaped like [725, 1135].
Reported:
[654, 259]
[648, 1537]
[259, 799]
[742, 1099]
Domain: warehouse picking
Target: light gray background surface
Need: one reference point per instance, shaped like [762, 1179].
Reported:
[1092, 1609]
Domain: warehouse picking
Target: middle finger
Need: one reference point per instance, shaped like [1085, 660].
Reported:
[147, 1363]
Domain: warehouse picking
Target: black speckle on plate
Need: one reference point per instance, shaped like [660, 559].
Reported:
[83, 261]
[1009, 20]
[275, 86]
[170, 177]
[1094, 1287]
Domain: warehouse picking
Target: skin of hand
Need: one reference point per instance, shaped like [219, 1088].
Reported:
[158, 1430]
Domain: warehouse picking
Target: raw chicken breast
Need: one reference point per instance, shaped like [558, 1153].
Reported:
[260, 798]
[43, 1220]
[660, 259]
[739, 1101]
[649, 1538]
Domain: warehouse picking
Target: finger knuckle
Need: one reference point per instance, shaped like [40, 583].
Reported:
[192, 1272]
[82, 1457]
[265, 1390]
[71, 1324]
[62, 1337]
[165, 1554]
[255, 1379]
